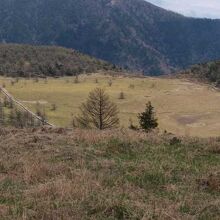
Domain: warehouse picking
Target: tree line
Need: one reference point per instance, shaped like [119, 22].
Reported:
[31, 61]
[206, 71]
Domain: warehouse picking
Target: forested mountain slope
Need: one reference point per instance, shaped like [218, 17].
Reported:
[130, 33]
[206, 71]
[26, 60]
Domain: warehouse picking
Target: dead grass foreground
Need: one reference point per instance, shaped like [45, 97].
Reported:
[81, 174]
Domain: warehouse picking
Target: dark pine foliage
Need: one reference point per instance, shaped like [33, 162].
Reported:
[147, 118]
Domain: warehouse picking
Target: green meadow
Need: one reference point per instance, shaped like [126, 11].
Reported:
[182, 107]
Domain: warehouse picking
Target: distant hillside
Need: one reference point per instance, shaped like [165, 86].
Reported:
[206, 71]
[130, 33]
[25, 60]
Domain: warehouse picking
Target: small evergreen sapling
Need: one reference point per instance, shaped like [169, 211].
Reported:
[121, 95]
[147, 119]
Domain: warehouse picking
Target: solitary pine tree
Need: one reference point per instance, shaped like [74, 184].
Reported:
[98, 112]
[147, 119]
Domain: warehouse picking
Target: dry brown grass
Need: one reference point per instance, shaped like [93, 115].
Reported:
[182, 106]
[84, 174]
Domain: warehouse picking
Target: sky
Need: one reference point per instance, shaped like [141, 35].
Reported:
[192, 8]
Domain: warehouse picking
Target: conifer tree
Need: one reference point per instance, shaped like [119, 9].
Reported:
[98, 112]
[147, 118]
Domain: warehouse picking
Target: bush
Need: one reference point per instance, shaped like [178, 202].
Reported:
[132, 126]
[131, 86]
[110, 83]
[121, 95]
[175, 141]
[53, 107]
[76, 79]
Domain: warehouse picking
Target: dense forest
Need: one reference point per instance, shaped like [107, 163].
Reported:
[26, 61]
[206, 71]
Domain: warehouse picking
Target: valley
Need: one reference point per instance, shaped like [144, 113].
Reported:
[109, 110]
[183, 107]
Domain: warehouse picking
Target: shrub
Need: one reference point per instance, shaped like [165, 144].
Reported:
[53, 107]
[76, 79]
[131, 86]
[12, 82]
[175, 141]
[36, 80]
[121, 95]
[132, 126]
[110, 83]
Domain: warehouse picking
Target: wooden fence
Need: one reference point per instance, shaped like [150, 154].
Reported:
[16, 102]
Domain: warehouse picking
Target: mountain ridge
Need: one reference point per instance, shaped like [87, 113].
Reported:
[134, 34]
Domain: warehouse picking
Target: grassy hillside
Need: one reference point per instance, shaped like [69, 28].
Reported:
[183, 107]
[24, 60]
[58, 174]
[206, 71]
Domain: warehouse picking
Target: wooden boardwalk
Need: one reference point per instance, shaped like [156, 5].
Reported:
[16, 102]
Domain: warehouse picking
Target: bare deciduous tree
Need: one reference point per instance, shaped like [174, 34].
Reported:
[98, 111]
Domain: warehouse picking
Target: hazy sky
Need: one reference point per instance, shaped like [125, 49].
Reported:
[194, 8]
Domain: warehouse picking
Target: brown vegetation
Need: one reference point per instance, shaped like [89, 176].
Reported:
[113, 174]
[98, 112]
